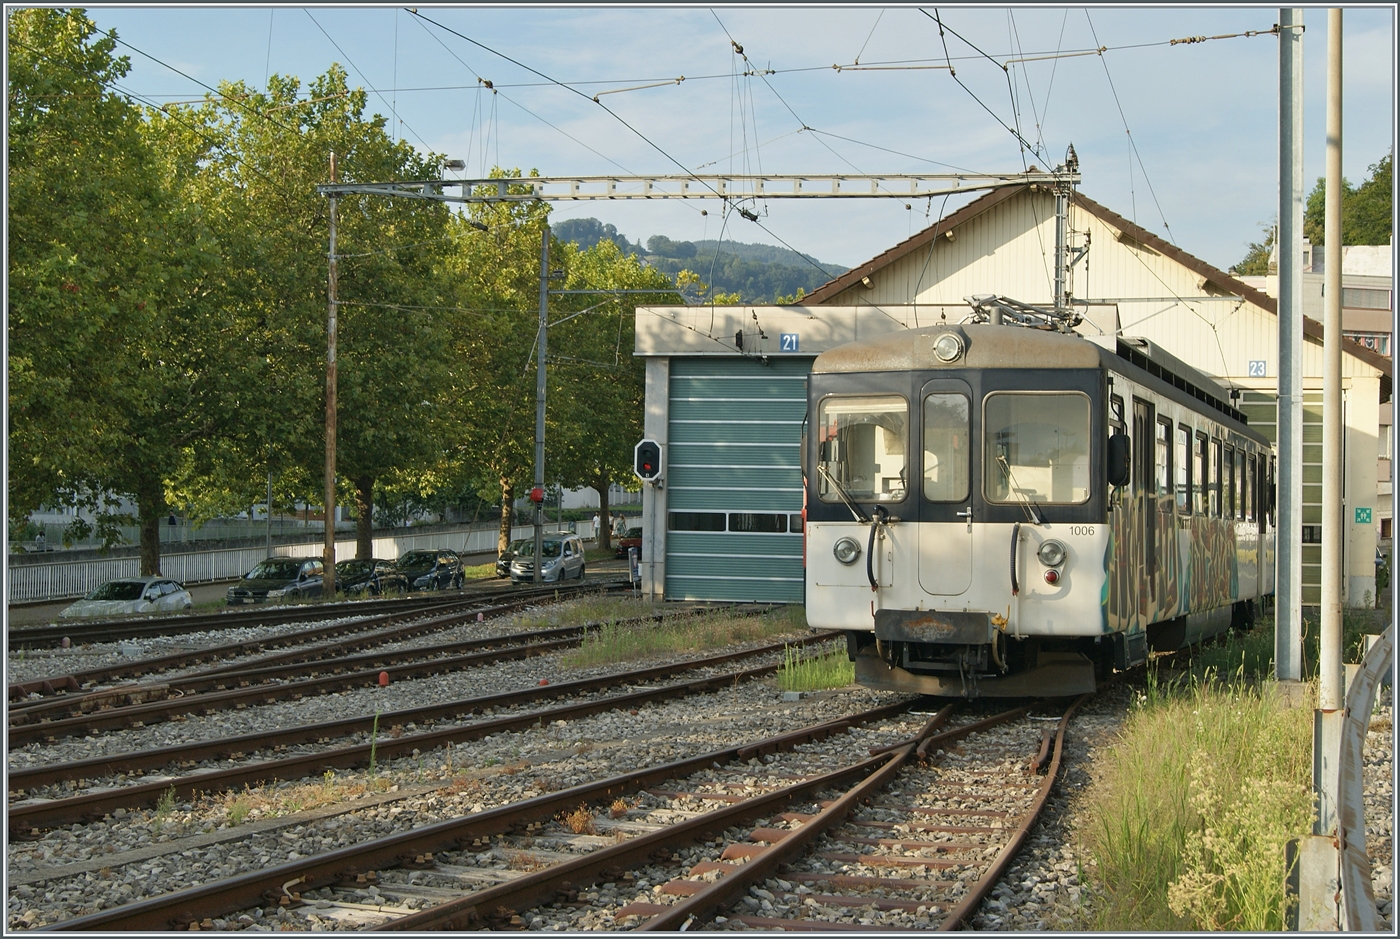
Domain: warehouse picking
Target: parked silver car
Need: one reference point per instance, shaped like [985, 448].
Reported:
[563, 559]
[132, 595]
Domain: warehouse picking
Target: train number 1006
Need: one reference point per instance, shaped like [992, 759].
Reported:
[1081, 530]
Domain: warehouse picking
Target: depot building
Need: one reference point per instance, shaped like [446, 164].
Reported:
[726, 389]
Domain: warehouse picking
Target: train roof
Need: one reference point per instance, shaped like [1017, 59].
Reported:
[988, 346]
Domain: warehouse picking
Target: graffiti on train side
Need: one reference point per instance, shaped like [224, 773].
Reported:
[1157, 570]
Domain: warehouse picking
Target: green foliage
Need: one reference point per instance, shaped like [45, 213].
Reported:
[1256, 260]
[1366, 210]
[1204, 786]
[829, 669]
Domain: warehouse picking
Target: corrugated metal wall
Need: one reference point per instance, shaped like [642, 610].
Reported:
[735, 425]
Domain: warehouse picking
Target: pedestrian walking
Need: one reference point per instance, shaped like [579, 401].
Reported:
[597, 532]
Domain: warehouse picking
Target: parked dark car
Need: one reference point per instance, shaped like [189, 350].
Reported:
[503, 561]
[631, 538]
[279, 578]
[431, 569]
[371, 578]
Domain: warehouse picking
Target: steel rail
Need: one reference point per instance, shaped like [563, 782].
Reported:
[1358, 897]
[986, 881]
[26, 819]
[277, 665]
[179, 908]
[145, 666]
[193, 682]
[727, 890]
[176, 624]
[209, 702]
[194, 656]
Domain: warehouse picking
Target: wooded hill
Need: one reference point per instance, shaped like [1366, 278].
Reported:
[748, 273]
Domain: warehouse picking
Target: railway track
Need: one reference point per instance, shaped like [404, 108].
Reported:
[441, 614]
[942, 802]
[309, 672]
[79, 632]
[28, 818]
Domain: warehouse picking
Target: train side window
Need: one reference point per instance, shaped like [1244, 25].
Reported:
[1228, 491]
[1217, 480]
[1251, 507]
[947, 466]
[1183, 469]
[1272, 494]
[1115, 415]
[1162, 458]
[861, 447]
[1201, 481]
[1239, 484]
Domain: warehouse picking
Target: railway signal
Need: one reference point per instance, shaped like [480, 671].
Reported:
[646, 461]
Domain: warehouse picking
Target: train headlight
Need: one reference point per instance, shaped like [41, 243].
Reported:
[846, 550]
[1051, 554]
[947, 347]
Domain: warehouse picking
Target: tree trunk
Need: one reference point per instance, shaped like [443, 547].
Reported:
[601, 483]
[507, 516]
[364, 517]
[150, 508]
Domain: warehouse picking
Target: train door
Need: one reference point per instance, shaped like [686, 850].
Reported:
[945, 489]
[1144, 496]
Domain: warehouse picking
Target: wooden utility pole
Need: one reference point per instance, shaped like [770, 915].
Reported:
[328, 577]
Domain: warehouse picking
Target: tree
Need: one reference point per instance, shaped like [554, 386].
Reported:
[1366, 210]
[495, 276]
[1256, 260]
[266, 154]
[597, 385]
[101, 386]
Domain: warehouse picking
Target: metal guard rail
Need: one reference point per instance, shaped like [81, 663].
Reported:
[1358, 898]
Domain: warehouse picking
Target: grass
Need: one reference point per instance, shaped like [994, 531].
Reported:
[615, 643]
[479, 571]
[1209, 779]
[829, 669]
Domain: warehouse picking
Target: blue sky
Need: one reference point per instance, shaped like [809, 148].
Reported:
[1203, 117]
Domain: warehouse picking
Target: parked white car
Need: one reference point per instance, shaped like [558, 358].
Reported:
[132, 595]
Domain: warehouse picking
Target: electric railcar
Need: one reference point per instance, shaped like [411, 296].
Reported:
[1000, 510]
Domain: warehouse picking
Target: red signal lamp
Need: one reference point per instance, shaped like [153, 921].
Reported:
[537, 494]
[1052, 577]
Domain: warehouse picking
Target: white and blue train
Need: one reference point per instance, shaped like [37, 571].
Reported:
[1004, 507]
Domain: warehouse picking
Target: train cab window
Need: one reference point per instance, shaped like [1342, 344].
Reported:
[946, 465]
[862, 447]
[1183, 469]
[1115, 415]
[1036, 447]
[1162, 458]
[1217, 480]
[1200, 464]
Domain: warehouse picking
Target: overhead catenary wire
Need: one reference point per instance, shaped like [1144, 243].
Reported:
[363, 78]
[1131, 142]
[621, 120]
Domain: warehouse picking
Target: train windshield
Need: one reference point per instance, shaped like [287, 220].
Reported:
[1037, 447]
[862, 448]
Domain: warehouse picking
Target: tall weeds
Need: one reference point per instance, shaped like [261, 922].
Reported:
[1206, 785]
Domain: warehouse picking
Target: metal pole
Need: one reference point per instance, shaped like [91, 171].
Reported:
[1330, 693]
[539, 402]
[269, 501]
[328, 560]
[1288, 588]
[1061, 248]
